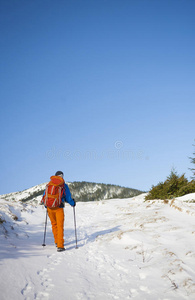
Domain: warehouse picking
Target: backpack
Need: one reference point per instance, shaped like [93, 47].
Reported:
[54, 192]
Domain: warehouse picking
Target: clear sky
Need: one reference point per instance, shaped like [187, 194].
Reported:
[103, 90]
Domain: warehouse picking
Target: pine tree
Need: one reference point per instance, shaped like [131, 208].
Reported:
[193, 162]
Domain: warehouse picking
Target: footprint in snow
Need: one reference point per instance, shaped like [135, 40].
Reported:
[45, 280]
[26, 289]
[27, 292]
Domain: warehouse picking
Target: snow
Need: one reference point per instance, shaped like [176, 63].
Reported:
[127, 249]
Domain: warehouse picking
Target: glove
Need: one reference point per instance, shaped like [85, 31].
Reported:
[74, 203]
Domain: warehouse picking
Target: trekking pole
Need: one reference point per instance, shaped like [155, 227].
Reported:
[45, 230]
[75, 227]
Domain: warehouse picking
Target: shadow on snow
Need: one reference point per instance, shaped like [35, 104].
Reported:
[29, 242]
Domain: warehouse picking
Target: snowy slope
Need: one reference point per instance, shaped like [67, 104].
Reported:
[128, 249]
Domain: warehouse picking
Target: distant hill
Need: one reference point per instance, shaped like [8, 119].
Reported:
[89, 191]
[81, 191]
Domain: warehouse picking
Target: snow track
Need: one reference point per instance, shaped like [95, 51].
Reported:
[128, 249]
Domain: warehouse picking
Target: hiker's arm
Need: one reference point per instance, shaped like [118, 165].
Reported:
[42, 198]
[68, 196]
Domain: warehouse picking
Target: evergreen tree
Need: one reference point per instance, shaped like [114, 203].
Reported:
[193, 162]
[173, 186]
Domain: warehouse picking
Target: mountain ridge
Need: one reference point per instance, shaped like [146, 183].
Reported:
[81, 191]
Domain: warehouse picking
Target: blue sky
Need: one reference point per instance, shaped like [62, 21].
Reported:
[102, 90]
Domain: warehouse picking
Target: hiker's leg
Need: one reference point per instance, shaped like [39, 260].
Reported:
[53, 219]
[60, 227]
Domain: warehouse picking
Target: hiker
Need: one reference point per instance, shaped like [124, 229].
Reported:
[54, 197]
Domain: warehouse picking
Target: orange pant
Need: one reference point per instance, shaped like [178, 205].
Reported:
[56, 216]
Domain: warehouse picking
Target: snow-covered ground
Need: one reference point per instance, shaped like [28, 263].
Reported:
[127, 249]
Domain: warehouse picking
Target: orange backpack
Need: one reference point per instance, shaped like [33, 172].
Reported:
[54, 192]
